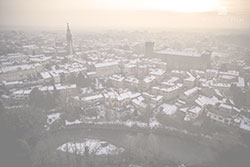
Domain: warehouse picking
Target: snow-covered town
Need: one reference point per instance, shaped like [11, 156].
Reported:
[124, 81]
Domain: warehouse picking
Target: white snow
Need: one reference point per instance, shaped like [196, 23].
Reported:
[218, 92]
[72, 123]
[157, 72]
[45, 75]
[191, 91]
[96, 147]
[149, 79]
[191, 78]
[154, 123]
[180, 53]
[133, 123]
[245, 123]
[99, 65]
[53, 117]
[139, 102]
[245, 126]
[225, 106]
[168, 109]
[169, 89]
[204, 100]
[93, 97]
[195, 110]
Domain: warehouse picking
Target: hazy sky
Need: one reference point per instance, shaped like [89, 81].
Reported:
[126, 13]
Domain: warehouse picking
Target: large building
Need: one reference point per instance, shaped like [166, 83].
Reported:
[186, 59]
[69, 41]
[106, 69]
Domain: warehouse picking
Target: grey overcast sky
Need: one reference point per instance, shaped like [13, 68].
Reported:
[126, 13]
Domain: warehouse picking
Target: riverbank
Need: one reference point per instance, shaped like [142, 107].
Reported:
[216, 141]
[175, 144]
[169, 147]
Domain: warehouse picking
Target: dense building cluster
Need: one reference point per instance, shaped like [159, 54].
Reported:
[123, 80]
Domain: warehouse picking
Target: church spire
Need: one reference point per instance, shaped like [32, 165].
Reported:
[69, 40]
[68, 26]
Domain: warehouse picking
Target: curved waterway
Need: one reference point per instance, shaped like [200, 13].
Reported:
[168, 147]
[236, 156]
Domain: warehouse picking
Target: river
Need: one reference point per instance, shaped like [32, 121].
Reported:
[236, 156]
[168, 147]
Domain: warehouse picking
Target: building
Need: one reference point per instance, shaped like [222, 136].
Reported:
[190, 81]
[154, 99]
[129, 69]
[18, 72]
[56, 76]
[147, 82]
[107, 69]
[158, 73]
[132, 83]
[120, 99]
[141, 71]
[189, 94]
[211, 73]
[116, 81]
[69, 41]
[31, 49]
[186, 59]
[21, 94]
[92, 99]
[223, 113]
[47, 78]
[140, 104]
[168, 93]
[193, 112]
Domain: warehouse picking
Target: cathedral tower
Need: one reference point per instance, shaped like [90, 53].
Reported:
[69, 41]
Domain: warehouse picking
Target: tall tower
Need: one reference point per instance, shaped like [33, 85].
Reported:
[69, 41]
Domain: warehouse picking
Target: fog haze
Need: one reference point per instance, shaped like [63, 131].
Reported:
[109, 13]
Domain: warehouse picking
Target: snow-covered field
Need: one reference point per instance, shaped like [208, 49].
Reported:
[96, 147]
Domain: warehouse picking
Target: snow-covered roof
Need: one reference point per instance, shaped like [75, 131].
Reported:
[22, 92]
[191, 78]
[179, 53]
[191, 91]
[99, 65]
[203, 100]
[225, 106]
[173, 79]
[18, 67]
[170, 89]
[149, 79]
[60, 87]
[93, 97]
[157, 72]
[241, 82]
[227, 77]
[116, 77]
[168, 109]
[232, 73]
[132, 80]
[195, 110]
[139, 102]
[45, 75]
[220, 85]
